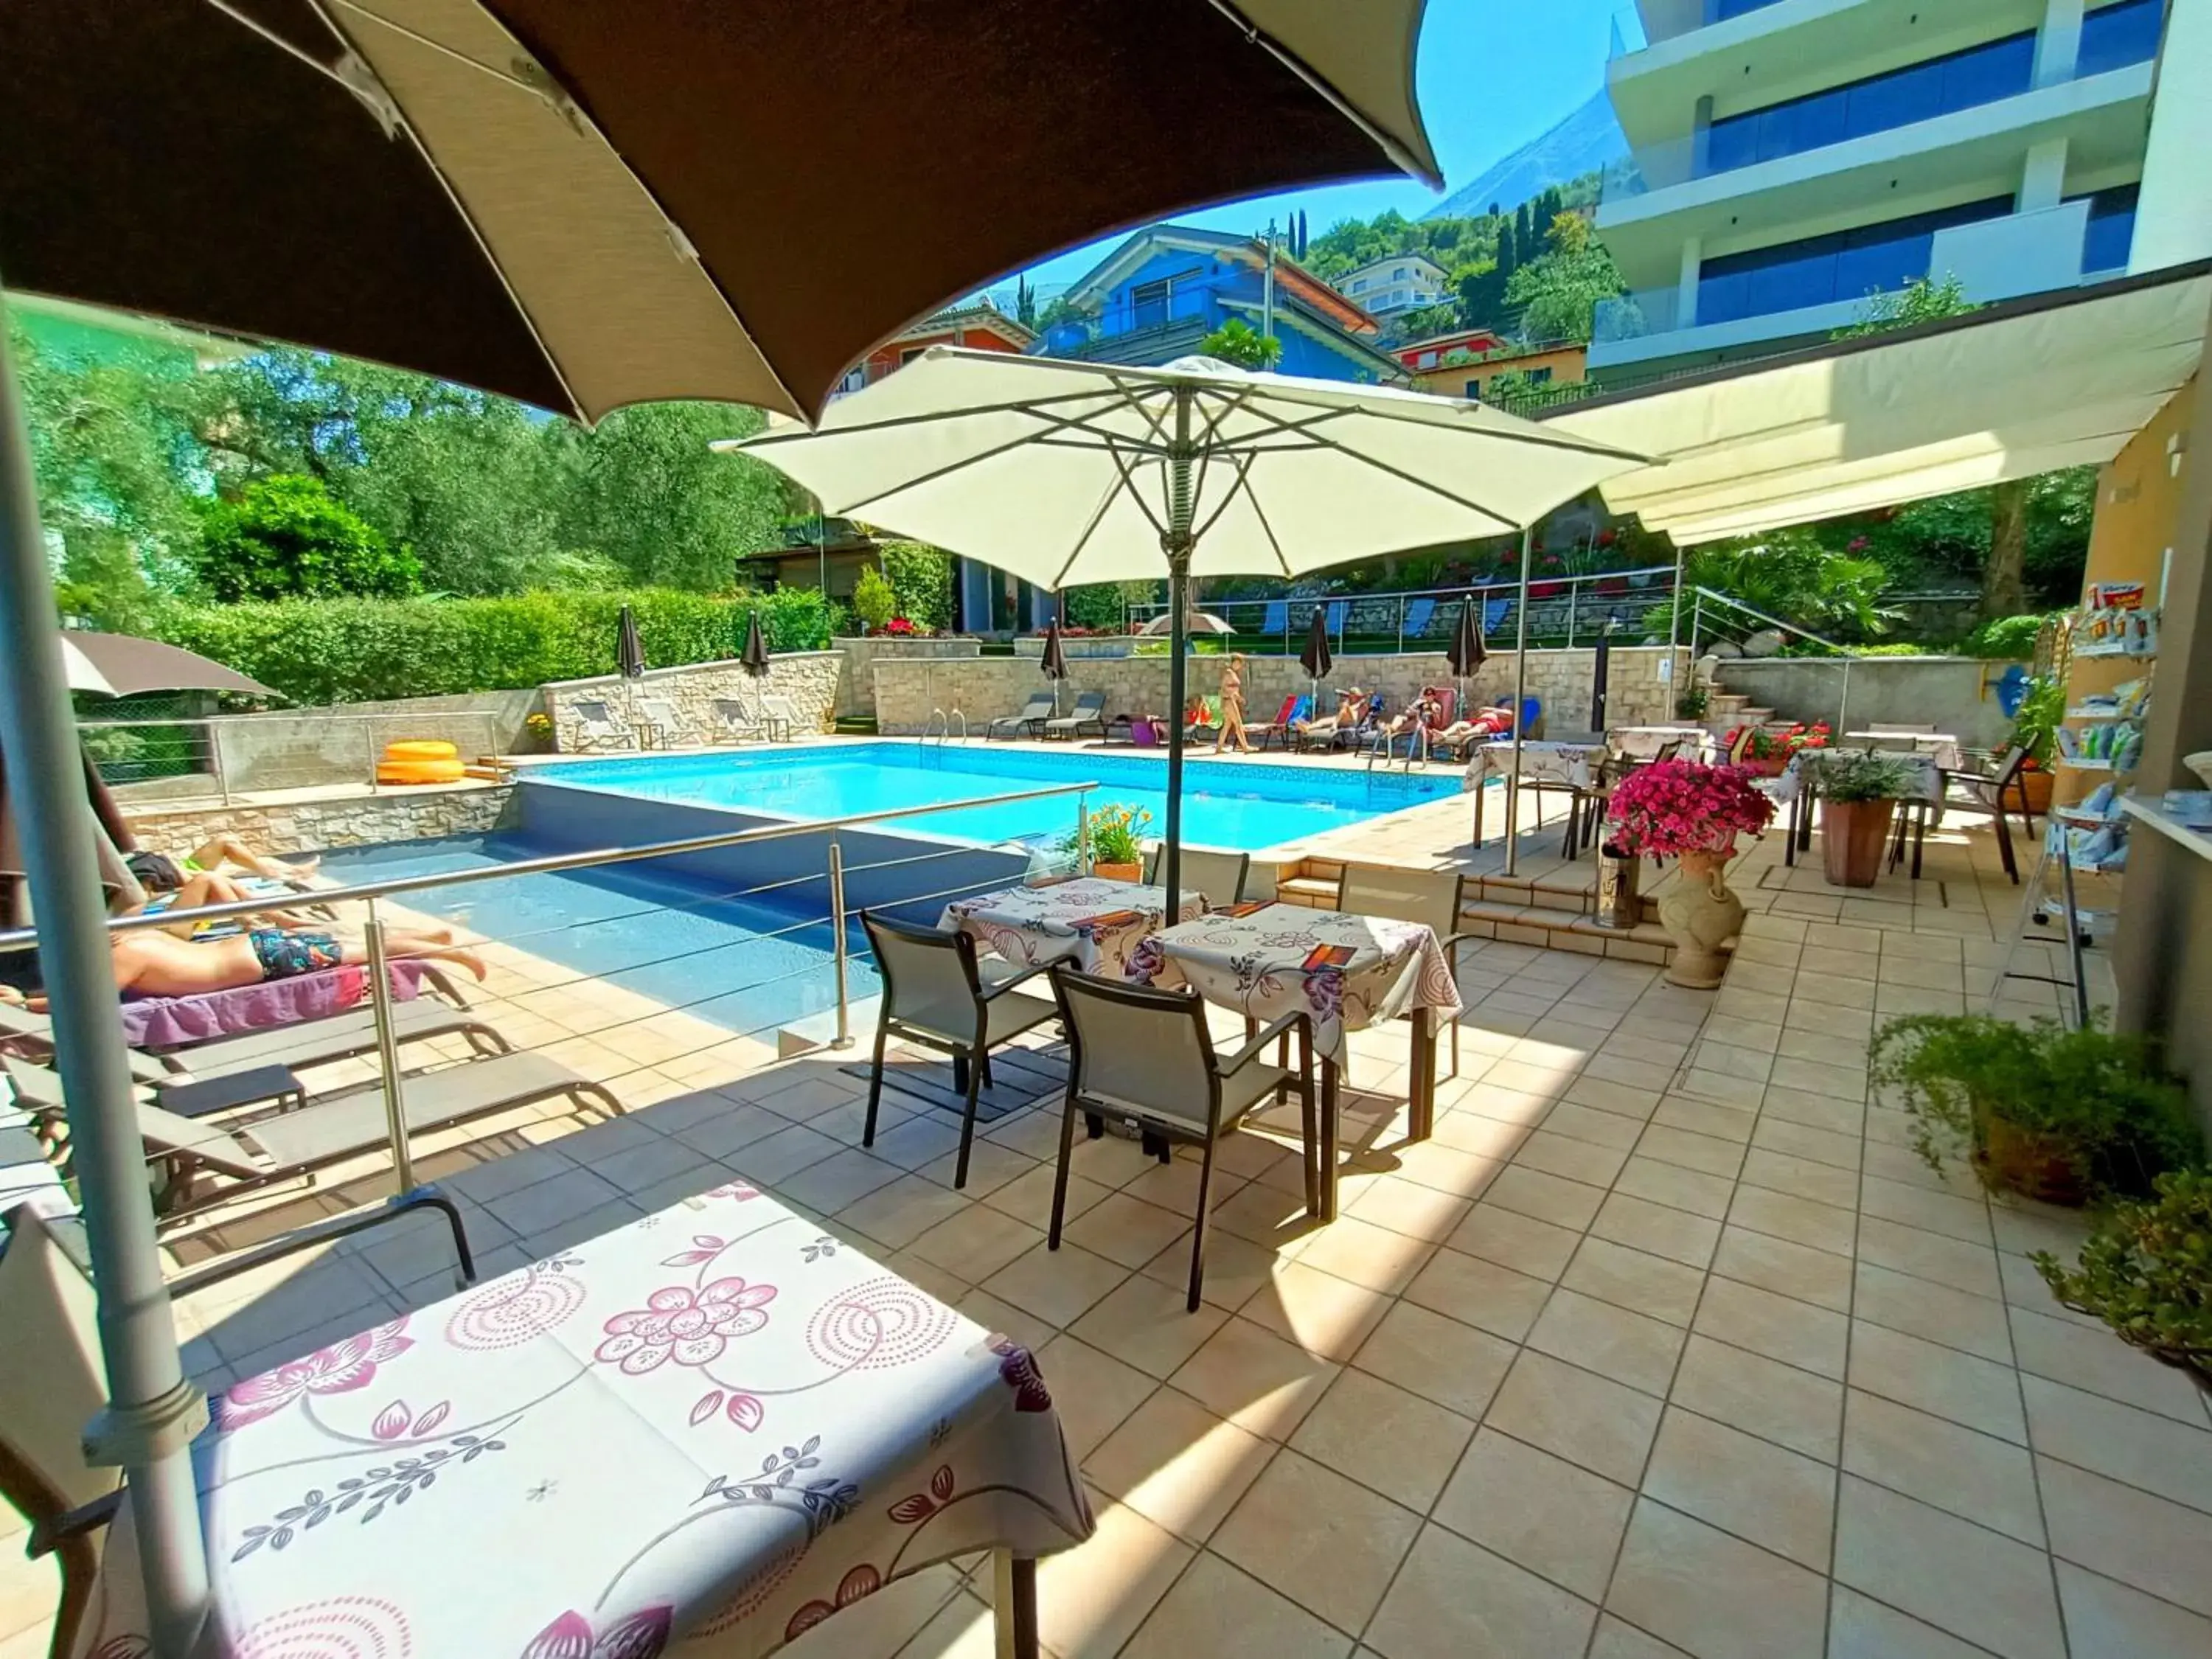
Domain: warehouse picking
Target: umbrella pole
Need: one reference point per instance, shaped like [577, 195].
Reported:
[1176, 544]
[154, 1412]
[1520, 713]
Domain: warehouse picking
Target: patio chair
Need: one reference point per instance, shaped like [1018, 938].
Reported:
[659, 716]
[1275, 620]
[1137, 1052]
[733, 720]
[1090, 710]
[1415, 622]
[295, 1146]
[1295, 707]
[937, 993]
[1432, 897]
[598, 727]
[1220, 877]
[1032, 718]
[1989, 795]
[781, 715]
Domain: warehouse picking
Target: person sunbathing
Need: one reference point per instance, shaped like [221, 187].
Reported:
[1350, 709]
[154, 963]
[1417, 717]
[1486, 724]
[217, 855]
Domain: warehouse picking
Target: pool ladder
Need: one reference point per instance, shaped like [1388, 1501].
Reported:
[940, 725]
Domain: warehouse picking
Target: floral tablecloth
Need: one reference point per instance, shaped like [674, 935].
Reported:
[1645, 742]
[1347, 971]
[1096, 923]
[1541, 762]
[716, 1421]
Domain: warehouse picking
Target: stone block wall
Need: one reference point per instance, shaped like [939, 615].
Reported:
[985, 688]
[856, 679]
[809, 679]
[311, 826]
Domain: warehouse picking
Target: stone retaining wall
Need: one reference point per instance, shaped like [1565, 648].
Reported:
[809, 679]
[985, 688]
[856, 681]
[311, 826]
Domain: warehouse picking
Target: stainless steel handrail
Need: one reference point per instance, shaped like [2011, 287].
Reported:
[553, 864]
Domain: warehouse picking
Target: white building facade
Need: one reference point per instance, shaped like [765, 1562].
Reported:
[1386, 287]
[1792, 157]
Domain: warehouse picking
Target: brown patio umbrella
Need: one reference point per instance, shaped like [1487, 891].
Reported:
[584, 204]
[127, 666]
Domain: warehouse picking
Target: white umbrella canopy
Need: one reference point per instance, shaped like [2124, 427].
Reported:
[1064, 473]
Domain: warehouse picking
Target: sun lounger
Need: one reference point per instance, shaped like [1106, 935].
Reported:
[1034, 712]
[1090, 710]
[293, 1146]
[781, 717]
[1295, 707]
[598, 728]
[660, 718]
[733, 720]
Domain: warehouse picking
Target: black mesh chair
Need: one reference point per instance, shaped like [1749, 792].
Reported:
[1145, 1055]
[937, 993]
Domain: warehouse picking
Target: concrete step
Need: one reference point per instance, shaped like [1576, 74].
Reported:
[1553, 912]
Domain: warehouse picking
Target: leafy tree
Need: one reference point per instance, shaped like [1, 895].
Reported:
[651, 496]
[1062, 310]
[1236, 342]
[285, 539]
[1558, 294]
[1790, 575]
[1025, 301]
[922, 577]
[1423, 321]
[873, 602]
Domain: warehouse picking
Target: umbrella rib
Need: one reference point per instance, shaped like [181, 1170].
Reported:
[992, 453]
[1090, 528]
[1260, 513]
[892, 422]
[1404, 477]
[1243, 466]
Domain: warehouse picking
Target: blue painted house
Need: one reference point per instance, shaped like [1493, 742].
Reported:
[1165, 288]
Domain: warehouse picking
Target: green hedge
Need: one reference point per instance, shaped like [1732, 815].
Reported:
[321, 651]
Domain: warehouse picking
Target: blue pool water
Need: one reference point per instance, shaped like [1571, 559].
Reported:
[678, 941]
[1241, 803]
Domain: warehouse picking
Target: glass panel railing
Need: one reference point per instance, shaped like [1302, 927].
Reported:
[1633, 315]
[1651, 22]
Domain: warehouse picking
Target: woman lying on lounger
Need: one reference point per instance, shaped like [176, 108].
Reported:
[156, 963]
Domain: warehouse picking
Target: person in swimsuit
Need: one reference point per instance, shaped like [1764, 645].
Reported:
[152, 963]
[1232, 707]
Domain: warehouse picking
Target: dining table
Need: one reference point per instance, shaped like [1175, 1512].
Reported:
[1560, 764]
[1095, 922]
[1643, 743]
[717, 1421]
[1266, 959]
[1798, 787]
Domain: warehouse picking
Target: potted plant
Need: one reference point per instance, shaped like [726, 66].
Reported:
[2147, 1272]
[2035, 728]
[1688, 811]
[2056, 1115]
[1859, 791]
[1117, 852]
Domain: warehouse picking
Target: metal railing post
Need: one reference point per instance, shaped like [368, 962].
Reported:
[215, 759]
[368, 748]
[1697, 620]
[1081, 834]
[844, 1037]
[1574, 599]
[387, 1050]
[1401, 624]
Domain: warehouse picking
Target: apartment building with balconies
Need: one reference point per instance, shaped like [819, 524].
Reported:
[1792, 157]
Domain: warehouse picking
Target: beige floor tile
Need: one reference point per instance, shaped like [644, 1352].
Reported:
[901, 1211]
[1678, 1189]
[1779, 1326]
[1711, 1155]
[1972, 1475]
[1631, 1278]
[1760, 1396]
[1595, 1124]
[1480, 1293]
[1754, 1488]
[1092, 1598]
[1702, 1117]
[990, 1166]
[1562, 1202]
[1216, 1610]
[1384, 1437]
[777, 1157]
[1178, 1464]
[1452, 1601]
[1004, 1319]
[1056, 1285]
[1785, 1267]
[2111, 1439]
[1797, 1140]
[1966, 1220]
[1977, 1393]
[1956, 1576]
[1922, 1308]
[1538, 1510]
[1603, 1426]
[1145, 1324]
[1712, 1595]
[1126, 1230]
[1714, 1059]
[1722, 1088]
[1414, 1207]
[1657, 1230]
[1330, 1544]
[1610, 1341]
[975, 1243]
[1801, 1177]
[1377, 1257]
[1029, 1196]
[1566, 1156]
[1817, 1077]
[1319, 1312]
[1092, 1391]
[1827, 1112]
[2128, 1534]
[1617, 1639]
[2098, 1361]
[2108, 1620]
[838, 1180]
[1524, 1243]
[1441, 1359]
[1255, 1379]
[1800, 1220]
[1915, 1250]
[1860, 1628]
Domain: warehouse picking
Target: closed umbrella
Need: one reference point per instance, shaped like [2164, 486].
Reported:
[1600, 670]
[583, 207]
[1053, 663]
[630, 659]
[1317, 659]
[1466, 652]
[1064, 472]
[755, 660]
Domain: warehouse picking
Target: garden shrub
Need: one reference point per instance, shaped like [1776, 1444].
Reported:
[921, 578]
[285, 537]
[873, 602]
[797, 618]
[2007, 639]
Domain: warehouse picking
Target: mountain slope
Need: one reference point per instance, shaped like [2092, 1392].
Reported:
[1585, 141]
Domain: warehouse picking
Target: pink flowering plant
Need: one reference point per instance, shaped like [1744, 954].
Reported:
[1677, 806]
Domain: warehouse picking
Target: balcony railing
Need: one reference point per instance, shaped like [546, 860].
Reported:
[1652, 21]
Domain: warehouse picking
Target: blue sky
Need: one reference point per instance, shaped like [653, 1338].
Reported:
[1493, 74]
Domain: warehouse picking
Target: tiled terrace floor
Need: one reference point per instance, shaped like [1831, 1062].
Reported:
[1665, 1343]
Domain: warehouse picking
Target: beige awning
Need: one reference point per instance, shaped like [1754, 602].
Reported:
[1863, 425]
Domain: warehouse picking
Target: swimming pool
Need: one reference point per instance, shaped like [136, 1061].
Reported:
[680, 942]
[1243, 804]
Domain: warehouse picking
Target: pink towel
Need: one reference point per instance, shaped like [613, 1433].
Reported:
[169, 1022]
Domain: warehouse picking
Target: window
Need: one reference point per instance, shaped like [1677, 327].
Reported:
[1398, 274]
[1539, 376]
[1474, 393]
[1845, 265]
[1148, 305]
[1719, 11]
[909, 353]
[2111, 229]
[1359, 285]
[1428, 360]
[2112, 37]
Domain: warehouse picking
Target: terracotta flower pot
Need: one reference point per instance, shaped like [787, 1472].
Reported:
[2037, 782]
[1699, 914]
[1106, 872]
[1853, 834]
[2031, 1165]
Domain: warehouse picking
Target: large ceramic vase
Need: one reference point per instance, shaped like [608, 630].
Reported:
[1700, 914]
[1853, 835]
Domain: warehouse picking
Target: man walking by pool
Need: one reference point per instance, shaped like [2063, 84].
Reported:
[1232, 707]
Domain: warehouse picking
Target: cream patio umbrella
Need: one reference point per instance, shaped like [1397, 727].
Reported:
[1064, 472]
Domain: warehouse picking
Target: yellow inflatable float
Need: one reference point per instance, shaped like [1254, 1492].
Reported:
[419, 763]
